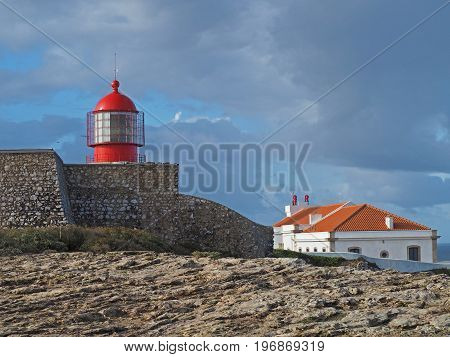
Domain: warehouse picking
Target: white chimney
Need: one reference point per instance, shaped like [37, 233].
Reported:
[389, 222]
[314, 218]
[290, 210]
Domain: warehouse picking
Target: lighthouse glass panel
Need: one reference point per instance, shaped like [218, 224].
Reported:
[116, 127]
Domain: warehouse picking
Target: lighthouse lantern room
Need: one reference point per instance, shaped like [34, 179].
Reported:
[115, 128]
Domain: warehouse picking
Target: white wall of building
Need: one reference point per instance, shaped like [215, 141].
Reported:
[370, 243]
[282, 237]
[396, 243]
[301, 242]
[312, 242]
[396, 248]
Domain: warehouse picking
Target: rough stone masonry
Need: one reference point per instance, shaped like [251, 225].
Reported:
[37, 189]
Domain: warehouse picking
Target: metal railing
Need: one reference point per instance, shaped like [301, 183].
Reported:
[115, 127]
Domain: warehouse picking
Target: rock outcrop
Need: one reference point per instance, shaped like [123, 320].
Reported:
[149, 294]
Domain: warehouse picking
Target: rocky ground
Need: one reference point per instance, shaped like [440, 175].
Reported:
[149, 294]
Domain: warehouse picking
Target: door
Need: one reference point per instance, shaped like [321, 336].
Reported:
[414, 253]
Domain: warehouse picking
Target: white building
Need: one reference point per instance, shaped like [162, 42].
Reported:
[364, 229]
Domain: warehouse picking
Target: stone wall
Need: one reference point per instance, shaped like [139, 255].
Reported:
[206, 225]
[146, 196]
[110, 194]
[37, 189]
[32, 189]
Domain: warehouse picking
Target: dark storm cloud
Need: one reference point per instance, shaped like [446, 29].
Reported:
[380, 134]
[38, 133]
[264, 61]
[198, 131]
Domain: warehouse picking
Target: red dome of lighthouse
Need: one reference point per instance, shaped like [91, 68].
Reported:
[115, 101]
[115, 129]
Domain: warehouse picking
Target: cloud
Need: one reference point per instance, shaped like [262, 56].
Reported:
[197, 130]
[442, 175]
[262, 61]
[38, 133]
[176, 117]
[380, 137]
[65, 135]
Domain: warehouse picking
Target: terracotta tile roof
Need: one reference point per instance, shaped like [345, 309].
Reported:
[363, 218]
[302, 216]
[333, 221]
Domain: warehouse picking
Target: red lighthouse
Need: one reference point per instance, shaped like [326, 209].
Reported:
[115, 128]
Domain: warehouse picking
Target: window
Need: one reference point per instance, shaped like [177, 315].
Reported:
[307, 249]
[300, 250]
[324, 250]
[315, 249]
[384, 254]
[115, 127]
[354, 250]
[414, 253]
[280, 246]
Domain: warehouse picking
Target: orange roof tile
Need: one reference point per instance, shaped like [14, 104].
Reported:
[332, 222]
[363, 218]
[302, 216]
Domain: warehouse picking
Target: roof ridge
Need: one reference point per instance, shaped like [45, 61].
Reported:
[331, 213]
[342, 205]
[352, 215]
[396, 215]
[302, 209]
[294, 216]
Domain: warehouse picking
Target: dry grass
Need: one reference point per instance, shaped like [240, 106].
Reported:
[75, 238]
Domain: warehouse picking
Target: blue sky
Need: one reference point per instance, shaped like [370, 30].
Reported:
[235, 72]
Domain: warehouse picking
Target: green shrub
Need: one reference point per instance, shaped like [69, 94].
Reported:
[281, 253]
[74, 238]
[315, 260]
[212, 255]
[120, 239]
[30, 240]
[444, 271]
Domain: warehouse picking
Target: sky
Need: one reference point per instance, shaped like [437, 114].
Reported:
[235, 72]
